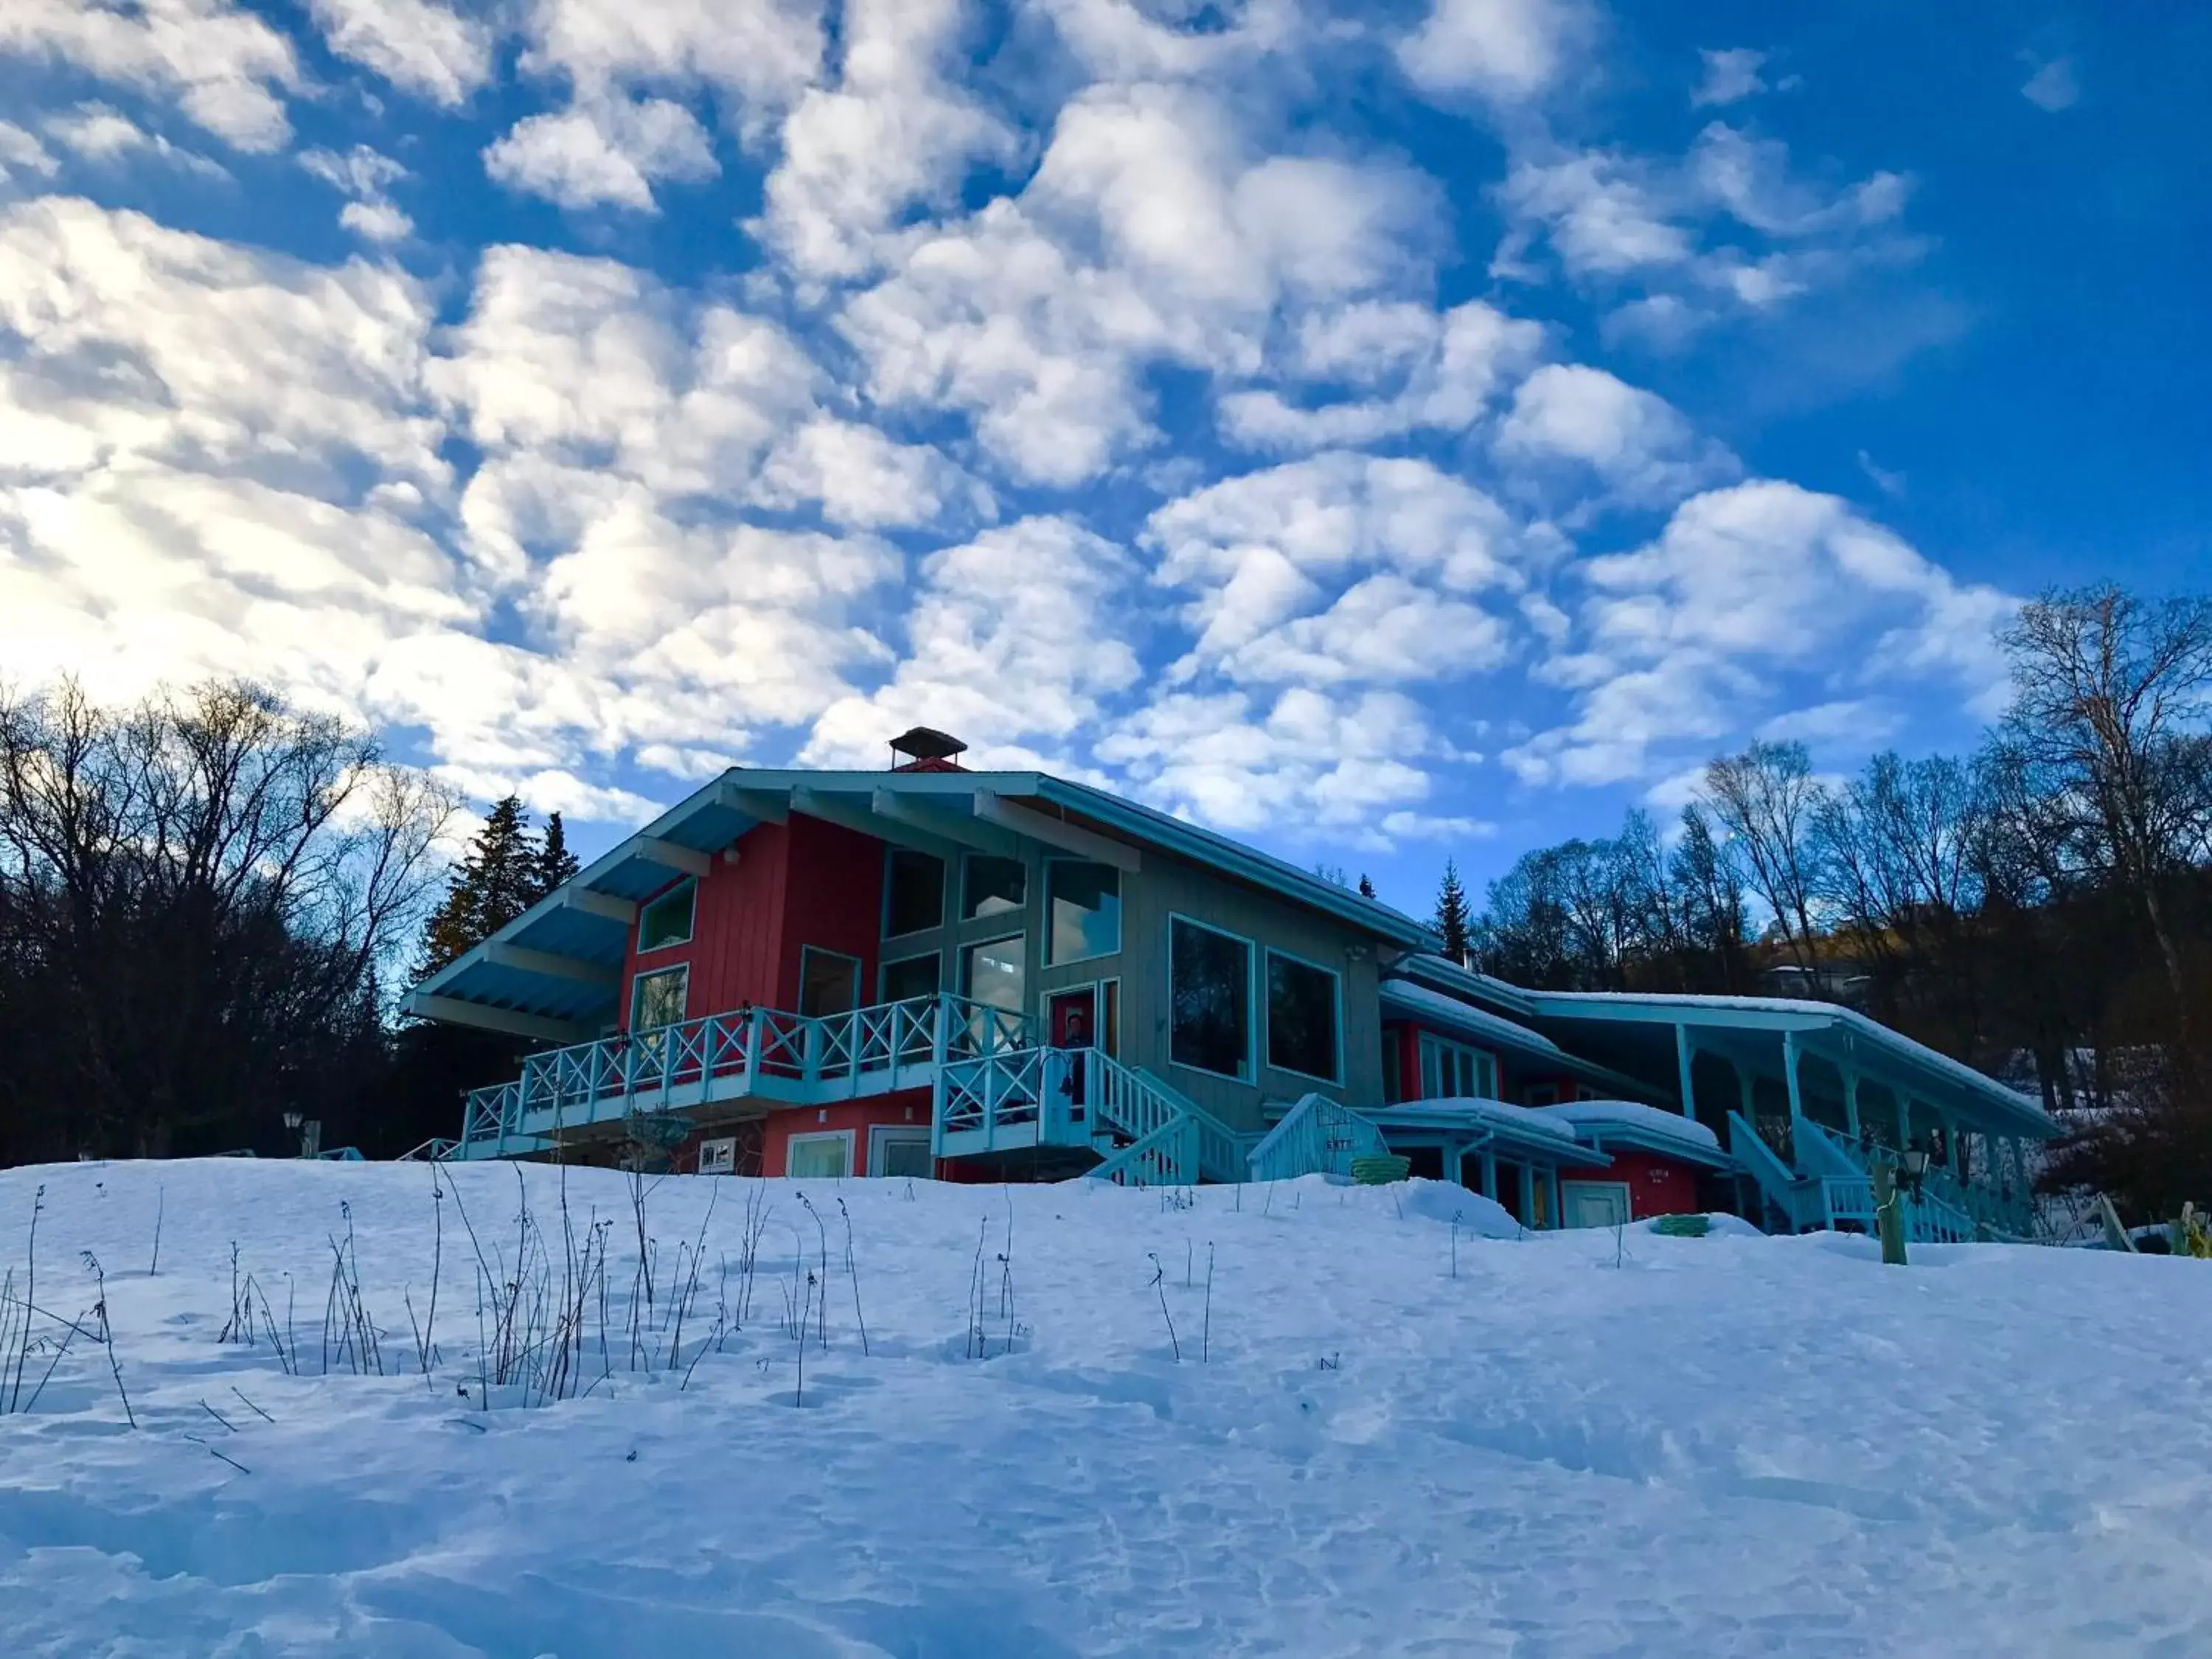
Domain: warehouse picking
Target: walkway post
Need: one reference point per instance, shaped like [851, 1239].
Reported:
[1851, 1101]
[1888, 1212]
[1685, 1053]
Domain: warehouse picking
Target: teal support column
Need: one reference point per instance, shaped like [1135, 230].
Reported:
[1558, 1203]
[1950, 1157]
[1685, 1053]
[1789, 1069]
[1904, 1118]
[1851, 1101]
[1527, 1196]
[1490, 1175]
[1455, 1151]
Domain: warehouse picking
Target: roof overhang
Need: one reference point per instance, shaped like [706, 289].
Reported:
[1491, 1123]
[1409, 1000]
[556, 971]
[1760, 1031]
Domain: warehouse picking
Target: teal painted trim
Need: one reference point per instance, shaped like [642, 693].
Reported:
[1686, 1054]
[1317, 1136]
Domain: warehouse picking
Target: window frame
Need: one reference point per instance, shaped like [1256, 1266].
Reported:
[1250, 1074]
[637, 984]
[723, 1149]
[892, 855]
[816, 1138]
[688, 885]
[968, 947]
[964, 914]
[859, 977]
[880, 1135]
[1336, 1016]
[1434, 1045]
[884, 975]
[1121, 931]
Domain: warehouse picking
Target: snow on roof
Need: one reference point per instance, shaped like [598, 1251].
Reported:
[1526, 1122]
[1568, 1004]
[1467, 1018]
[1590, 1119]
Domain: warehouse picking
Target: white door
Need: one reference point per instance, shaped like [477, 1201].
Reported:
[1595, 1203]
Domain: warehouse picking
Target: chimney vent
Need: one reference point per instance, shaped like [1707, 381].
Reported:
[924, 749]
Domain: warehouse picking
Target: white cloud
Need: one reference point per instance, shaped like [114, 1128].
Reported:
[1010, 642]
[1303, 765]
[1748, 593]
[1322, 569]
[1150, 233]
[1506, 50]
[22, 156]
[227, 68]
[758, 55]
[367, 176]
[893, 133]
[425, 47]
[95, 133]
[1751, 179]
[1638, 443]
[2053, 86]
[1446, 369]
[1127, 40]
[604, 153]
[863, 479]
[1731, 76]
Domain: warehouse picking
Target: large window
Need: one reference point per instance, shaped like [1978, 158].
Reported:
[828, 982]
[657, 999]
[1084, 909]
[1302, 1017]
[915, 900]
[1452, 1071]
[992, 887]
[912, 976]
[667, 920]
[825, 1156]
[1210, 1000]
[994, 974]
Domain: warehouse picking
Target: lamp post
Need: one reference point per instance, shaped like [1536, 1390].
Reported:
[291, 1128]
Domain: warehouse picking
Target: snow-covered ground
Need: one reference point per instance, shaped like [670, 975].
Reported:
[1577, 1445]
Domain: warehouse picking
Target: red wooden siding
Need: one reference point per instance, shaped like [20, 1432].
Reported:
[1656, 1185]
[793, 884]
[907, 1107]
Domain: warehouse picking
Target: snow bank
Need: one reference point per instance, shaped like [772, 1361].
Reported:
[1578, 1444]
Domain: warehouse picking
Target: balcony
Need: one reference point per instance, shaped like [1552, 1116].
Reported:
[767, 1054]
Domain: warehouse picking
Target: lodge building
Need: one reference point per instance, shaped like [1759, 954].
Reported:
[1005, 976]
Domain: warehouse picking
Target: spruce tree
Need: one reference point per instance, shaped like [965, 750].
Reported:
[555, 863]
[1366, 887]
[493, 884]
[1452, 918]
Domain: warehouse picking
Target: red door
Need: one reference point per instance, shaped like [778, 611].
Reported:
[1072, 1018]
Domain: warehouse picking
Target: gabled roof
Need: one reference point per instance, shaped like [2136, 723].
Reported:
[554, 972]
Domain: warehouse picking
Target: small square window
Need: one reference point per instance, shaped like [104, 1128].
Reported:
[995, 886]
[994, 974]
[667, 920]
[916, 897]
[718, 1156]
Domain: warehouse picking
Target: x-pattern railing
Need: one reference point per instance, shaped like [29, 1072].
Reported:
[841, 1051]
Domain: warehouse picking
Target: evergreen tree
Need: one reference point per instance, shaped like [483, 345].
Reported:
[1366, 887]
[495, 883]
[1452, 917]
[555, 863]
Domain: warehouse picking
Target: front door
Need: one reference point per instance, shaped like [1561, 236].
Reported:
[1071, 1020]
[1595, 1203]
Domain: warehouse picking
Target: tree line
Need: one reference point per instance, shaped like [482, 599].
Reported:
[2040, 908]
[208, 903]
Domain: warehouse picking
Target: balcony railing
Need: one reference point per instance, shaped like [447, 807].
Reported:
[768, 1052]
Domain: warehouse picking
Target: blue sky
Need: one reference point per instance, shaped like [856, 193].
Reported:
[1377, 431]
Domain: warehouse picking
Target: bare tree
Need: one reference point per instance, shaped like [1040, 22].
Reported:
[201, 896]
[2108, 714]
[1769, 802]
